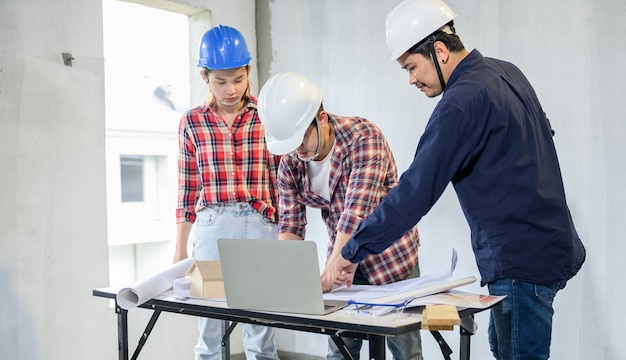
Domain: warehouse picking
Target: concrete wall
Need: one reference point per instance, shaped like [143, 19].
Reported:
[53, 219]
[52, 186]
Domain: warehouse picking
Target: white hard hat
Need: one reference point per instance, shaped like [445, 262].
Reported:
[287, 105]
[412, 21]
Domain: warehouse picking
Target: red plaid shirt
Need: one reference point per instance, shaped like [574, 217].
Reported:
[362, 171]
[218, 164]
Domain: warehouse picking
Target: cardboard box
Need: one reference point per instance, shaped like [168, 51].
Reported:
[206, 279]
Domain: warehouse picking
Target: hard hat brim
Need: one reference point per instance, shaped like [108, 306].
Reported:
[286, 146]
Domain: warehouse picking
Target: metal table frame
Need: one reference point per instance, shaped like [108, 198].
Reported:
[375, 334]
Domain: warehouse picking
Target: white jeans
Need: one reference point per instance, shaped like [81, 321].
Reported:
[238, 220]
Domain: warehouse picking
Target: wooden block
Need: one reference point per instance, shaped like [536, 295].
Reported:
[436, 328]
[440, 317]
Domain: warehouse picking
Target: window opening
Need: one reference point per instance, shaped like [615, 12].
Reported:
[147, 82]
[131, 169]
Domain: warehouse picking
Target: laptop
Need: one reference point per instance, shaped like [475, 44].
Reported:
[273, 275]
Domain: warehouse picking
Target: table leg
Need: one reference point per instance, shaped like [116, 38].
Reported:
[377, 347]
[122, 332]
[443, 345]
[341, 345]
[146, 333]
[467, 329]
[227, 329]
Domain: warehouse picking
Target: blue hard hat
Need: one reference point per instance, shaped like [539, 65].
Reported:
[223, 47]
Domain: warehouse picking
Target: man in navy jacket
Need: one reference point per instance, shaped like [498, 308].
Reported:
[490, 137]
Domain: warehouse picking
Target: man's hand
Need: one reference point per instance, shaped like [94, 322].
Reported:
[338, 271]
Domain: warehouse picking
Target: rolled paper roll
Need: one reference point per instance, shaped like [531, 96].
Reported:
[144, 290]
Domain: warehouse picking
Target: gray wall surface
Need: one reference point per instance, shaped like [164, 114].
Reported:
[52, 187]
[53, 226]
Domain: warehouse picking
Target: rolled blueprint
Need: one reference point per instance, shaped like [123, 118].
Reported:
[144, 290]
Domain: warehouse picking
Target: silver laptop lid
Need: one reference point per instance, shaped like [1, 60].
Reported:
[272, 275]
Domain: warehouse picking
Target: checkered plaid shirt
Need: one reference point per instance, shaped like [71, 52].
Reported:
[362, 171]
[218, 164]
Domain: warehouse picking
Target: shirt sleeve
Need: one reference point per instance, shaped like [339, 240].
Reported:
[292, 214]
[188, 176]
[443, 149]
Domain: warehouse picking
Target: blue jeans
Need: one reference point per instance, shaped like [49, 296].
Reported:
[403, 347]
[520, 327]
[238, 220]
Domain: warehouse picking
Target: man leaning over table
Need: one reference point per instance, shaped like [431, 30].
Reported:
[344, 167]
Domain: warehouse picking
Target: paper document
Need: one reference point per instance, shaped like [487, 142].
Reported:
[421, 291]
[401, 291]
[144, 290]
[459, 299]
[387, 293]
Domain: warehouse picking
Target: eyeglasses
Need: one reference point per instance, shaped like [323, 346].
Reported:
[375, 310]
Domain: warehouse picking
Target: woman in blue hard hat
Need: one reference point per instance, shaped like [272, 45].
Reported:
[226, 176]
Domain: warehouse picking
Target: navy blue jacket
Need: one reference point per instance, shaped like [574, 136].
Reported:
[490, 137]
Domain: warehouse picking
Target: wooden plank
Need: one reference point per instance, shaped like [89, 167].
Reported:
[440, 317]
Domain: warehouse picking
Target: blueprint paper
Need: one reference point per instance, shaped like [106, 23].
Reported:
[459, 299]
[402, 290]
[144, 290]
[424, 281]
[417, 292]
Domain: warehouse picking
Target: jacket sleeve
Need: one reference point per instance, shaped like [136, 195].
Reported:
[444, 148]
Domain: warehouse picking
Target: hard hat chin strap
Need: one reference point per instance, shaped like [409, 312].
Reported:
[433, 54]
